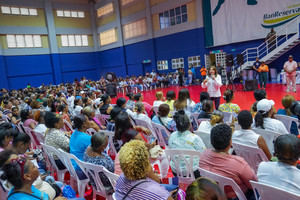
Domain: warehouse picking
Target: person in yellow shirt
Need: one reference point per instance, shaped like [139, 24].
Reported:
[263, 71]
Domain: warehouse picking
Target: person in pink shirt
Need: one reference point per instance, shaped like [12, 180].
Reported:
[290, 68]
[219, 161]
[27, 119]
[148, 108]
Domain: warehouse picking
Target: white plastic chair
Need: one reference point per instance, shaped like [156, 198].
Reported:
[145, 124]
[155, 109]
[6, 118]
[93, 171]
[34, 142]
[68, 160]
[227, 117]
[110, 134]
[49, 153]
[162, 134]
[194, 120]
[253, 155]
[179, 156]
[201, 120]
[67, 126]
[287, 121]
[205, 136]
[267, 192]
[103, 118]
[223, 181]
[39, 136]
[269, 136]
[91, 131]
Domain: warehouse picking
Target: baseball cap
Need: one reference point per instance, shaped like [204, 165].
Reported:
[290, 56]
[265, 105]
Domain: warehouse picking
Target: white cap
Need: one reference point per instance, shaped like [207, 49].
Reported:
[265, 105]
[81, 92]
[97, 101]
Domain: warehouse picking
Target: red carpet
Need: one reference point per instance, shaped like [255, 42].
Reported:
[242, 98]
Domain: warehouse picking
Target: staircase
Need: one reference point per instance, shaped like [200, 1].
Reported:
[285, 39]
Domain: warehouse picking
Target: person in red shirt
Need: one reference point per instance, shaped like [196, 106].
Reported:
[219, 161]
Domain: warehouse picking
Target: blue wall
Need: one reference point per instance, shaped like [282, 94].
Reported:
[17, 71]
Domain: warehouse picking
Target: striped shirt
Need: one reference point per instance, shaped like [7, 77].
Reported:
[147, 190]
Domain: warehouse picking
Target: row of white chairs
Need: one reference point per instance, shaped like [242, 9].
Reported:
[91, 171]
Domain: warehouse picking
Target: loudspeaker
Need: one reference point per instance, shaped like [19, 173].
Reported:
[240, 59]
[229, 60]
[251, 85]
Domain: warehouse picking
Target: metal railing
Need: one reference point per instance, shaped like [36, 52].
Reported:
[279, 38]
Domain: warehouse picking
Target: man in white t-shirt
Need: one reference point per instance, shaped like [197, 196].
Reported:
[284, 173]
[290, 68]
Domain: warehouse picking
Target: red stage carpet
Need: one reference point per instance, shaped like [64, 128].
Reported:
[242, 98]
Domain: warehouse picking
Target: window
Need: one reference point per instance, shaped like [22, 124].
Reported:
[194, 61]
[135, 29]
[74, 40]
[104, 10]
[177, 63]
[70, 13]
[18, 11]
[23, 41]
[108, 37]
[162, 65]
[125, 2]
[173, 16]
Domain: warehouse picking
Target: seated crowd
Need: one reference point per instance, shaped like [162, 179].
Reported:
[81, 121]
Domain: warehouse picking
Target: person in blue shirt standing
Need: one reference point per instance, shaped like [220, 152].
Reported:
[255, 66]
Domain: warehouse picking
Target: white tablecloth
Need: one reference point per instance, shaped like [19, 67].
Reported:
[282, 77]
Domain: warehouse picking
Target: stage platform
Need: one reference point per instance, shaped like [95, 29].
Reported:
[243, 98]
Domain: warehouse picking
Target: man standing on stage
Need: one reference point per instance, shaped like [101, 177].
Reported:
[263, 74]
[256, 65]
[290, 68]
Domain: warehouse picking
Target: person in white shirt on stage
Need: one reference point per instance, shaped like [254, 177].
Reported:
[290, 68]
[213, 83]
[264, 120]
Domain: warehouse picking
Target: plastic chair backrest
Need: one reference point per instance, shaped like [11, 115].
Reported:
[39, 136]
[227, 117]
[49, 153]
[178, 156]
[205, 136]
[34, 141]
[67, 126]
[93, 171]
[267, 192]
[21, 127]
[6, 118]
[112, 148]
[194, 120]
[145, 124]
[287, 121]
[201, 120]
[91, 131]
[162, 134]
[269, 136]
[103, 118]
[155, 109]
[253, 155]
[223, 181]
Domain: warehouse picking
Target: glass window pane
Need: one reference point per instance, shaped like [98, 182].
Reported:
[74, 14]
[178, 19]
[173, 21]
[166, 14]
[177, 11]
[64, 41]
[172, 12]
[5, 9]
[81, 14]
[24, 11]
[85, 41]
[60, 13]
[15, 11]
[37, 41]
[78, 40]
[67, 13]
[184, 18]
[71, 39]
[28, 41]
[33, 12]
[183, 9]
[11, 41]
[20, 41]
